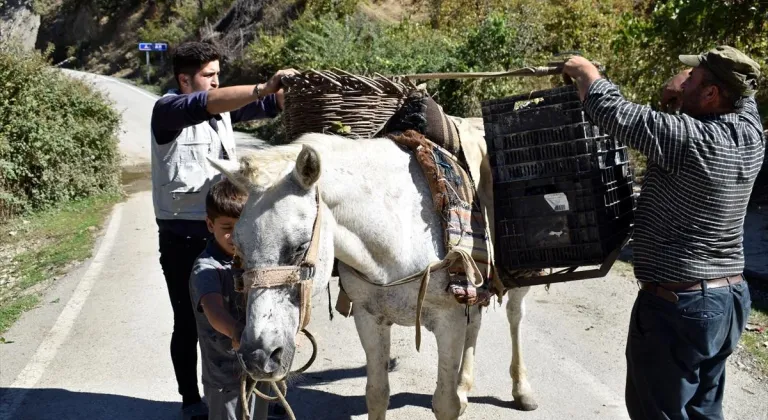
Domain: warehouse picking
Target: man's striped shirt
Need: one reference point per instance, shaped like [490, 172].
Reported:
[689, 222]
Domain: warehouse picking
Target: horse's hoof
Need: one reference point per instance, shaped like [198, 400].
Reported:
[525, 403]
[463, 401]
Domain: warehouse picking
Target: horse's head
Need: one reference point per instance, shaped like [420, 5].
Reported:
[284, 244]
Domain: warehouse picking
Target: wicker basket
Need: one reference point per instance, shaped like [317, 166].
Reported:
[341, 103]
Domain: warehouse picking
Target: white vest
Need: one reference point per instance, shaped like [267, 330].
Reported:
[181, 174]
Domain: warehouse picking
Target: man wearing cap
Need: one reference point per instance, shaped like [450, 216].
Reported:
[693, 302]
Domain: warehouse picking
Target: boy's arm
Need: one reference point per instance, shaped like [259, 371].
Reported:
[220, 319]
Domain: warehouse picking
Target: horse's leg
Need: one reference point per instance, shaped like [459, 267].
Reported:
[467, 372]
[521, 389]
[450, 332]
[375, 338]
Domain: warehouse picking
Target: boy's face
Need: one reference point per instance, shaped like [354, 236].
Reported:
[222, 231]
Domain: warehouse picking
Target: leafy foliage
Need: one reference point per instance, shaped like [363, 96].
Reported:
[57, 136]
[646, 46]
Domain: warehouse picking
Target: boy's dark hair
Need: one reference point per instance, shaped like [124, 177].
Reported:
[224, 199]
[189, 57]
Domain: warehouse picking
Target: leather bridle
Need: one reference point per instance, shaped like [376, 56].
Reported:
[289, 275]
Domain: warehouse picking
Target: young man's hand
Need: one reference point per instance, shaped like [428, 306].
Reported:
[275, 83]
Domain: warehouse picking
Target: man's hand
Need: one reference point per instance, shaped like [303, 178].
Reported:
[672, 91]
[582, 72]
[275, 83]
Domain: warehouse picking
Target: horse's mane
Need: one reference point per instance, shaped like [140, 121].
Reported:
[263, 168]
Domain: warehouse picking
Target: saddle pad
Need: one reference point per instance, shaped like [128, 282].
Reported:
[422, 114]
[454, 198]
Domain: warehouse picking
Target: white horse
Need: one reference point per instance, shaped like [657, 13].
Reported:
[379, 221]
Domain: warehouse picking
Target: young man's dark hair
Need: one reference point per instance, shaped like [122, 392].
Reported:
[224, 199]
[189, 57]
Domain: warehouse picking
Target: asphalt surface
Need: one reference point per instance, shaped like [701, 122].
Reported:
[97, 348]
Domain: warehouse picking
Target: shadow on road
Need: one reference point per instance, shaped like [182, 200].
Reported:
[307, 403]
[54, 403]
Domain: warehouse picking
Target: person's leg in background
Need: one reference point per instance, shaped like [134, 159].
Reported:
[177, 256]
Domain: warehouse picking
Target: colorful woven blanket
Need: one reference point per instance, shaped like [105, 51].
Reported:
[454, 198]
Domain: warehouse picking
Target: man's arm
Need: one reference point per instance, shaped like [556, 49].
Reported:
[662, 138]
[171, 114]
[266, 107]
[229, 99]
[220, 318]
[175, 113]
[747, 110]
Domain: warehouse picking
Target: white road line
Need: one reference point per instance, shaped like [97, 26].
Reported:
[33, 371]
[113, 80]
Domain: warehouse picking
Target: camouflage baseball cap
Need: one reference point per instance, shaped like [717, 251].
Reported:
[729, 65]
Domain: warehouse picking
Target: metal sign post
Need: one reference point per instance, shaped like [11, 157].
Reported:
[153, 46]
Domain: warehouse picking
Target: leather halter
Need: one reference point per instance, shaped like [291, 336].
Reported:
[289, 275]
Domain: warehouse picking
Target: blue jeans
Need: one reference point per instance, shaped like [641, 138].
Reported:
[676, 352]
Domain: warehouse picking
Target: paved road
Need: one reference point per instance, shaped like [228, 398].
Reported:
[98, 347]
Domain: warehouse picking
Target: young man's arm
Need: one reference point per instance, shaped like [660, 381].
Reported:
[220, 318]
[235, 97]
[172, 114]
[266, 107]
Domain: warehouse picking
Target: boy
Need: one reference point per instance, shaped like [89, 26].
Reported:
[219, 309]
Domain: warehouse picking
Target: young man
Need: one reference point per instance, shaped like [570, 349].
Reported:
[693, 302]
[189, 125]
[219, 309]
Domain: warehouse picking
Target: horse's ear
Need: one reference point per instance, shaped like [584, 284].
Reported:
[307, 170]
[231, 169]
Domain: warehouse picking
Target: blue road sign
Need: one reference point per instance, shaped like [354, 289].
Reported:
[153, 46]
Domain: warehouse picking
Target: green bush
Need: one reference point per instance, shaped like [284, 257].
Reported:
[359, 45]
[58, 137]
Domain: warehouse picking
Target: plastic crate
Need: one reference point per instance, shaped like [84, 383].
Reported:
[563, 189]
[611, 198]
[562, 256]
[549, 185]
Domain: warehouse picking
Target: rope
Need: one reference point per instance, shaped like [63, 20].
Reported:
[280, 388]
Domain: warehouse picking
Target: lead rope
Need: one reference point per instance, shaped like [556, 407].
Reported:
[280, 388]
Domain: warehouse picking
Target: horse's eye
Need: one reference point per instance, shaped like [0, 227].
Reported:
[301, 248]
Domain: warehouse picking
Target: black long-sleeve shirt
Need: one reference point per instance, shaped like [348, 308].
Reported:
[172, 114]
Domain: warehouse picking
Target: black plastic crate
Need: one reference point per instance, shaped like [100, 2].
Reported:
[602, 198]
[557, 137]
[563, 189]
[564, 229]
[549, 185]
[578, 164]
[563, 256]
[546, 97]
